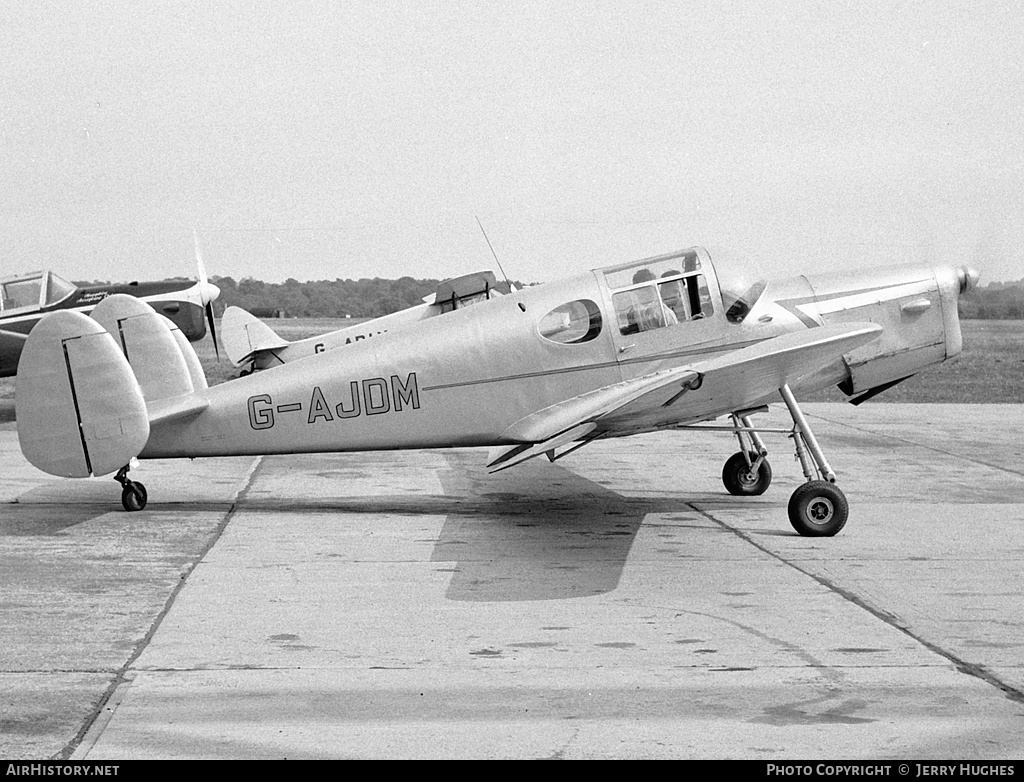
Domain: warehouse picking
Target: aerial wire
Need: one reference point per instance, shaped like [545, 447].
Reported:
[508, 282]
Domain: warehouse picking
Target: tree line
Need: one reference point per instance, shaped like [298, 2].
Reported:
[365, 298]
[372, 298]
[995, 301]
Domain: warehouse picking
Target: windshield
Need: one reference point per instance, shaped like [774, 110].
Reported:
[741, 282]
[58, 289]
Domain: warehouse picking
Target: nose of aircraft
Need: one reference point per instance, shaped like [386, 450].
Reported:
[968, 278]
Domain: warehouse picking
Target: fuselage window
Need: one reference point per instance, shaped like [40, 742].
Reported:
[572, 323]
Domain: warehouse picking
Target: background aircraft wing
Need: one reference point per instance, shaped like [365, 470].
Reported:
[11, 344]
[733, 381]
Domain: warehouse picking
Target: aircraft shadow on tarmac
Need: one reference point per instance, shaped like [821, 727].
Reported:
[57, 519]
[538, 532]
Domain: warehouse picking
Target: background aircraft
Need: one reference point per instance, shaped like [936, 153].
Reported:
[26, 298]
[650, 345]
[248, 340]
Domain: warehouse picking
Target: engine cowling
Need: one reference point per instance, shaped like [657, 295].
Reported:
[917, 309]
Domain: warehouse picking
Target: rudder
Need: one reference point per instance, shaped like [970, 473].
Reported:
[79, 408]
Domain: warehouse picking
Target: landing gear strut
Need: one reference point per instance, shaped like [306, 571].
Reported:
[747, 473]
[818, 508]
[133, 493]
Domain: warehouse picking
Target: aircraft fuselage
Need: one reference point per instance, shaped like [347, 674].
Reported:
[464, 379]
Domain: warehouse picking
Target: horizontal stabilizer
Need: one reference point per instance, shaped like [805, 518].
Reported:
[245, 335]
[177, 408]
[80, 410]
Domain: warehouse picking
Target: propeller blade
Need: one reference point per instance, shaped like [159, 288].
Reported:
[204, 296]
[199, 258]
[213, 328]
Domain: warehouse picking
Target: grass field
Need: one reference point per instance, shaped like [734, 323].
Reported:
[990, 369]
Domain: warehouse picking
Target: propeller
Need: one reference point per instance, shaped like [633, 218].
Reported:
[207, 293]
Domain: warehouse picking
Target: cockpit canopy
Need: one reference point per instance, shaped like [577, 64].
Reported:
[37, 289]
[657, 292]
[465, 290]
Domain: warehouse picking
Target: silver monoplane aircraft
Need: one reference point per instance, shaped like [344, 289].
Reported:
[655, 344]
[251, 343]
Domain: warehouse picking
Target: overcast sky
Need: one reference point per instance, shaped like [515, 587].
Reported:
[321, 140]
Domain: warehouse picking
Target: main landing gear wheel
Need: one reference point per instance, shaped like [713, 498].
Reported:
[818, 509]
[740, 480]
[134, 496]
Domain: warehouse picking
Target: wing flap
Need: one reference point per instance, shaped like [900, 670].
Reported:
[504, 458]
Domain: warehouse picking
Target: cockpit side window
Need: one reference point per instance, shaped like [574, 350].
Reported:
[572, 323]
[663, 293]
[641, 309]
[21, 293]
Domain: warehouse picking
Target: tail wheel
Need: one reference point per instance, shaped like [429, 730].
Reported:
[741, 481]
[134, 496]
[818, 509]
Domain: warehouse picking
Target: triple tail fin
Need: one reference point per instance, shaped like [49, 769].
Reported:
[80, 410]
[89, 388]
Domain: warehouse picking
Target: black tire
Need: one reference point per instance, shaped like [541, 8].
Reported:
[134, 497]
[740, 481]
[818, 509]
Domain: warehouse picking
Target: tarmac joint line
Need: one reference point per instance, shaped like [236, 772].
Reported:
[94, 725]
[961, 665]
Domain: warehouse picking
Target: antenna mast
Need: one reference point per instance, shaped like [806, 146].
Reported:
[507, 280]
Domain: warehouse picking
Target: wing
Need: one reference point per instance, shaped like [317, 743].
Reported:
[11, 344]
[733, 381]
